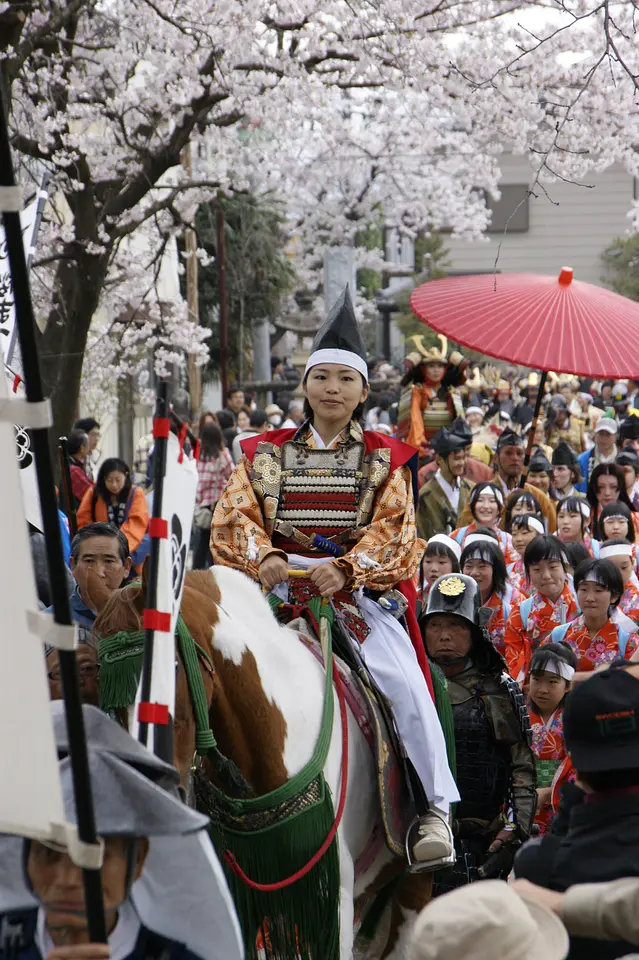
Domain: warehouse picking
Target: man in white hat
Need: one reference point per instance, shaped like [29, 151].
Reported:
[604, 450]
[487, 921]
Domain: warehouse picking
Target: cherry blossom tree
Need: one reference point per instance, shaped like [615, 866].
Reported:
[345, 110]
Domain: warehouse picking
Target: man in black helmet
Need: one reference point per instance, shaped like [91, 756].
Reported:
[495, 764]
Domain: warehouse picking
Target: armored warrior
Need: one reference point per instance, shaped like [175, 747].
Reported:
[430, 400]
[495, 763]
[337, 502]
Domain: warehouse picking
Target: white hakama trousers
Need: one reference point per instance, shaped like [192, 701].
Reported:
[391, 659]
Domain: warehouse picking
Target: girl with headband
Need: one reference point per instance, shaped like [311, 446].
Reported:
[594, 635]
[483, 560]
[441, 556]
[520, 503]
[552, 604]
[573, 519]
[486, 504]
[615, 523]
[524, 530]
[551, 673]
[620, 552]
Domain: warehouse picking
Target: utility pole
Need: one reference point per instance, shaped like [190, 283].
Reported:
[224, 320]
[192, 299]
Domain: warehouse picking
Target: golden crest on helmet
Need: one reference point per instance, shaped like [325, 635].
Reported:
[452, 587]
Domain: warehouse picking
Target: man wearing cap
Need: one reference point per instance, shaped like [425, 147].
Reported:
[429, 399]
[565, 472]
[509, 462]
[495, 764]
[446, 493]
[604, 450]
[629, 433]
[601, 730]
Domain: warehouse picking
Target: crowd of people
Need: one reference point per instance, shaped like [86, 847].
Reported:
[525, 593]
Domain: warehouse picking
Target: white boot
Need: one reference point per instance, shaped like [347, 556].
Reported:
[433, 844]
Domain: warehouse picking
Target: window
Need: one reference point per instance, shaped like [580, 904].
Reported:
[513, 204]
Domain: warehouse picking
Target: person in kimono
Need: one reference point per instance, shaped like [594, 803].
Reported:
[336, 501]
[445, 494]
[552, 669]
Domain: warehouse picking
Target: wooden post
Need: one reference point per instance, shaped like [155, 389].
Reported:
[192, 298]
[224, 320]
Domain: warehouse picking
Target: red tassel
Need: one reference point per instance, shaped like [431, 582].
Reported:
[161, 428]
[158, 528]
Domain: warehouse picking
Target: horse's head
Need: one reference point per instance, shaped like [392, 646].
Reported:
[122, 612]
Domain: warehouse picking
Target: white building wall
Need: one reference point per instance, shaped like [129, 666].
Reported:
[573, 231]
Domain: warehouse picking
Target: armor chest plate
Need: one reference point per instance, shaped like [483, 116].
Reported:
[320, 490]
[482, 766]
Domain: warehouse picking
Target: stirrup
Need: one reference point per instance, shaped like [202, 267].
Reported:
[428, 866]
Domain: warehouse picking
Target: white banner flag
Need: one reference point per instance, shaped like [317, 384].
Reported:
[178, 505]
[31, 797]
[30, 219]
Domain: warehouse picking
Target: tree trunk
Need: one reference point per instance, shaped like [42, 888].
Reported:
[78, 282]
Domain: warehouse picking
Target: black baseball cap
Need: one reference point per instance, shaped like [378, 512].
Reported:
[601, 722]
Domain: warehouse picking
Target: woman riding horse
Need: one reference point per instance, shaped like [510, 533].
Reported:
[336, 501]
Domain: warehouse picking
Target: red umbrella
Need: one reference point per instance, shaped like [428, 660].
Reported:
[542, 322]
[546, 323]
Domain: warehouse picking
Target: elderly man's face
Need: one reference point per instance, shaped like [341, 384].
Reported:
[57, 884]
[99, 557]
[448, 639]
[88, 666]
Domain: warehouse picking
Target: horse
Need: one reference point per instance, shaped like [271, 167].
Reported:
[266, 698]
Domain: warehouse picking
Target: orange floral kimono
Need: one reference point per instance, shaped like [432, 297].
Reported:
[610, 643]
[500, 608]
[552, 762]
[629, 603]
[542, 616]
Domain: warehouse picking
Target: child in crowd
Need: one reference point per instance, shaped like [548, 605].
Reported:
[524, 530]
[441, 556]
[551, 672]
[573, 518]
[620, 552]
[483, 560]
[552, 603]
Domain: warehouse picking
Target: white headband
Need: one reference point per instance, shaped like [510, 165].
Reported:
[560, 669]
[480, 538]
[593, 577]
[615, 516]
[584, 508]
[343, 357]
[616, 550]
[475, 410]
[495, 491]
[452, 545]
[536, 524]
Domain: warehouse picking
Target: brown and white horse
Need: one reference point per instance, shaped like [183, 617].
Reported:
[266, 699]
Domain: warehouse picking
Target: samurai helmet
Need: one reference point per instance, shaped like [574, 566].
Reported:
[431, 354]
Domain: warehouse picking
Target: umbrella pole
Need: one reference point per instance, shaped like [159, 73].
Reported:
[533, 426]
[25, 324]
[65, 483]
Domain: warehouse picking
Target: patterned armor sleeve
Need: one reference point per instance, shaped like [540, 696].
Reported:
[389, 551]
[238, 537]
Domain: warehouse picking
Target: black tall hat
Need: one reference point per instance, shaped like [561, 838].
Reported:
[339, 339]
[629, 428]
[539, 463]
[563, 455]
[509, 438]
[445, 442]
[462, 430]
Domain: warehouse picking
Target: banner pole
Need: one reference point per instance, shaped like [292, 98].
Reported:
[25, 324]
[163, 746]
